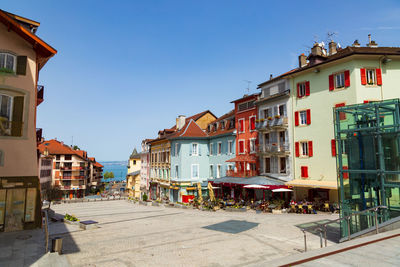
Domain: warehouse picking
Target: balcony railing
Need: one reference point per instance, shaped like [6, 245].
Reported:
[243, 173]
[73, 177]
[40, 94]
[274, 148]
[272, 122]
[72, 187]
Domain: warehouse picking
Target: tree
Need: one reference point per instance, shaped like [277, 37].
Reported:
[75, 147]
[108, 175]
[53, 193]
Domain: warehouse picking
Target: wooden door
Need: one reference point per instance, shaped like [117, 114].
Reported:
[15, 209]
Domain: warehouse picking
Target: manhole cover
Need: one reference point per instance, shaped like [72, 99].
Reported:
[23, 237]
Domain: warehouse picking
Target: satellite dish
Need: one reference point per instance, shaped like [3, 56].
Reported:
[339, 46]
[324, 52]
[322, 44]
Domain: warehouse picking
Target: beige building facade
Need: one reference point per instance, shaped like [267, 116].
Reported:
[22, 55]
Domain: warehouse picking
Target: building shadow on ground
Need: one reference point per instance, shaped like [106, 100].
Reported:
[332, 230]
[60, 229]
[232, 226]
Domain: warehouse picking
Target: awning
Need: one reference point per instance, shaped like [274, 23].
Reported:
[190, 188]
[255, 186]
[281, 190]
[244, 158]
[269, 183]
[313, 184]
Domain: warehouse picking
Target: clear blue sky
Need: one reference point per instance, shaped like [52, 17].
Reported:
[126, 69]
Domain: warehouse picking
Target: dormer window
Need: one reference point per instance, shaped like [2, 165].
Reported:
[222, 125]
[215, 127]
[209, 128]
[8, 62]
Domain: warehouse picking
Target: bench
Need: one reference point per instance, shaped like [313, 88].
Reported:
[86, 225]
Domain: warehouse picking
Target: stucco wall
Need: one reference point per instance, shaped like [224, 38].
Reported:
[20, 157]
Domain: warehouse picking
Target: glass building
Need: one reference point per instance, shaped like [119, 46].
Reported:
[368, 160]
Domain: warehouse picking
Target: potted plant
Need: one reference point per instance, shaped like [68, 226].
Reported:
[277, 116]
[270, 118]
[71, 219]
[262, 120]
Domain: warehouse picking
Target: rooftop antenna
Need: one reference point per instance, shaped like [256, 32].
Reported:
[72, 145]
[331, 35]
[248, 85]
[316, 39]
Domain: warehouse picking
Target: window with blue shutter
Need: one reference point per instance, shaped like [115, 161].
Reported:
[199, 148]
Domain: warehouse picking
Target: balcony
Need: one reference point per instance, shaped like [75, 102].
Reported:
[274, 148]
[276, 122]
[72, 177]
[40, 93]
[243, 173]
[72, 187]
[71, 168]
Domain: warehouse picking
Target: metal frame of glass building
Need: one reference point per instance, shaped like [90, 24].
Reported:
[368, 161]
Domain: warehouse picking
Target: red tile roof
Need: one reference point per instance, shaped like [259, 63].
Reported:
[195, 117]
[55, 147]
[228, 116]
[190, 129]
[98, 165]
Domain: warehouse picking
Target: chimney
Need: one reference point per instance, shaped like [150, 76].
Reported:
[302, 60]
[270, 76]
[180, 122]
[371, 43]
[356, 43]
[332, 48]
[316, 50]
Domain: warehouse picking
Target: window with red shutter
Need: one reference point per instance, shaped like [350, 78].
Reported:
[331, 83]
[363, 76]
[378, 76]
[241, 146]
[297, 149]
[342, 115]
[307, 88]
[296, 118]
[252, 123]
[347, 78]
[241, 125]
[345, 174]
[310, 149]
[308, 116]
[333, 147]
[304, 171]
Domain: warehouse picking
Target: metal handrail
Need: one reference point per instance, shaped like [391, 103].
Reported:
[347, 218]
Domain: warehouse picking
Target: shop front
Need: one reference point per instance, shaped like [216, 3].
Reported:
[19, 204]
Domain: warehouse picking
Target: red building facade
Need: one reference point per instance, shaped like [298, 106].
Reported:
[246, 160]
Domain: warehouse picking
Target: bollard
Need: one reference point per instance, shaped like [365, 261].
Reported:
[326, 242]
[348, 228]
[320, 237]
[305, 240]
[56, 245]
[376, 221]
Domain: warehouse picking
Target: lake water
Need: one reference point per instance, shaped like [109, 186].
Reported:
[117, 167]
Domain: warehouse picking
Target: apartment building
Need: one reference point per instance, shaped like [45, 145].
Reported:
[96, 174]
[246, 160]
[45, 172]
[274, 127]
[71, 170]
[133, 177]
[324, 80]
[22, 55]
[145, 167]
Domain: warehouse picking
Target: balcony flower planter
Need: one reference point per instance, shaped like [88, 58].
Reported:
[277, 117]
[261, 120]
[71, 219]
[270, 118]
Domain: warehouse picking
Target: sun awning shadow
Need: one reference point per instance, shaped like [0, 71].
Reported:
[232, 226]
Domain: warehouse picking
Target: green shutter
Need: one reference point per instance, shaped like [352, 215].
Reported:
[18, 111]
[21, 65]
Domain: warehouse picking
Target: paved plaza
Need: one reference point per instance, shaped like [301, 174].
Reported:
[135, 235]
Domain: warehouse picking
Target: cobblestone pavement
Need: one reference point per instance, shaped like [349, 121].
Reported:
[134, 235]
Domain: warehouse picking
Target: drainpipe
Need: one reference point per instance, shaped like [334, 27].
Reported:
[292, 123]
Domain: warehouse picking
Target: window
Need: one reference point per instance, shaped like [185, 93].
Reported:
[230, 146]
[222, 125]
[195, 171]
[67, 157]
[11, 115]
[339, 80]
[211, 171]
[57, 165]
[304, 148]
[211, 149]
[303, 89]
[282, 110]
[252, 145]
[241, 146]
[267, 113]
[57, 157]
[303, 117]
[342, 115]
[219, 148]
[218, 171]
[241, 125]
[246, 105]
[230, 167]
[282, 165]
[134, 162]
[370, 76]
[8, 62]
[252, 121]
[176, 149]
[232, 124]
[304, 172]
[267, 165]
